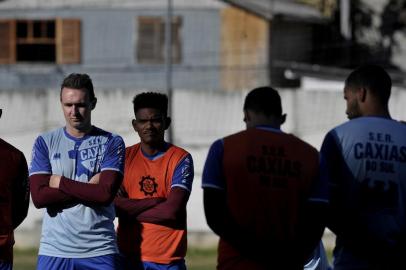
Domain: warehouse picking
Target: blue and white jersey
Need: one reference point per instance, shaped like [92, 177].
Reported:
[184, 174]
[79, 231]
[366, 158]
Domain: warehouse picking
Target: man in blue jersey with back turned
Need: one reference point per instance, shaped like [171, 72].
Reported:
[75, 173]
[366, 159]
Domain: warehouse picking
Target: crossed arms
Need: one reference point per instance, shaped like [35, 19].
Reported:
[170, 212]
[53, 190]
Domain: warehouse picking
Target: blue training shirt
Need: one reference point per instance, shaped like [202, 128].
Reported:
[79, 231]
[366, 157]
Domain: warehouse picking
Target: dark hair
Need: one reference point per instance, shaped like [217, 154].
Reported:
[79, 81]
[264, 100]
[372, 77]
[151, 100]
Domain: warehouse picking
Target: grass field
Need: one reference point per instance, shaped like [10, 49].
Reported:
[196, 259]
[25, 259]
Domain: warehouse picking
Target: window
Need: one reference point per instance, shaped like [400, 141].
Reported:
[151, 40]
[34, 41]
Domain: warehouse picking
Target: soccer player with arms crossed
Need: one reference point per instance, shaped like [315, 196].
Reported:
[156, 187]
[75, 173]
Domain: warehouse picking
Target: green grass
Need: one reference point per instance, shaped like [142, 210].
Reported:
[25, 259]
[201, 259]
[196, 259]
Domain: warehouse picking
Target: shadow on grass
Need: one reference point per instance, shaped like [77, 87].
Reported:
[196, 259]
[25, 259]
[201, 259]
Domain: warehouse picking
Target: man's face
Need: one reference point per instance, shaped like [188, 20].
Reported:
[150, 124]
[76, 108]
[353, 108]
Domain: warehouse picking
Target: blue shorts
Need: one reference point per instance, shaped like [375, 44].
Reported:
[6, 265]
[176, 265]
[106, 262]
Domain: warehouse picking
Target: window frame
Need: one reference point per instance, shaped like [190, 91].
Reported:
[151, 49]
[66, 39]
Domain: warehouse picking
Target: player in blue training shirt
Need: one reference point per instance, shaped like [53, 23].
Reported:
[265, 192]
[75, 174]
[366, 158]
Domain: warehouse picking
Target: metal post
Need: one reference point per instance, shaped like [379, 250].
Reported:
[345, 20]
[168, 63]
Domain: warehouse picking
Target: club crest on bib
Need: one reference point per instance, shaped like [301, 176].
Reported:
[148, 185]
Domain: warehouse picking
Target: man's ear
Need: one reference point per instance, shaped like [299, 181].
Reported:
[283, 118]
[93, 103]
[168, 122]
[362, 94]
[246, 116]
[134, 124]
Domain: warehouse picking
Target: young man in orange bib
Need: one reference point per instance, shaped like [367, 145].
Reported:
[157, 183]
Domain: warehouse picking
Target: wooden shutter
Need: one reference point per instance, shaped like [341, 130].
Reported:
[7, 41]
[150, 40]
[176, 40]
[68, 41]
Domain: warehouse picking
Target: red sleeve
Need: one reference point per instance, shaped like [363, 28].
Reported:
[21, 193]
[102, 193]
[131, 208]
[171, 213]
[45, 196]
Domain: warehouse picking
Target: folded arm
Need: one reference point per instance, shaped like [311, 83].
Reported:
[41, 171]
[101, 193]
[45, 196]
[171, 212]
[131, 208]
